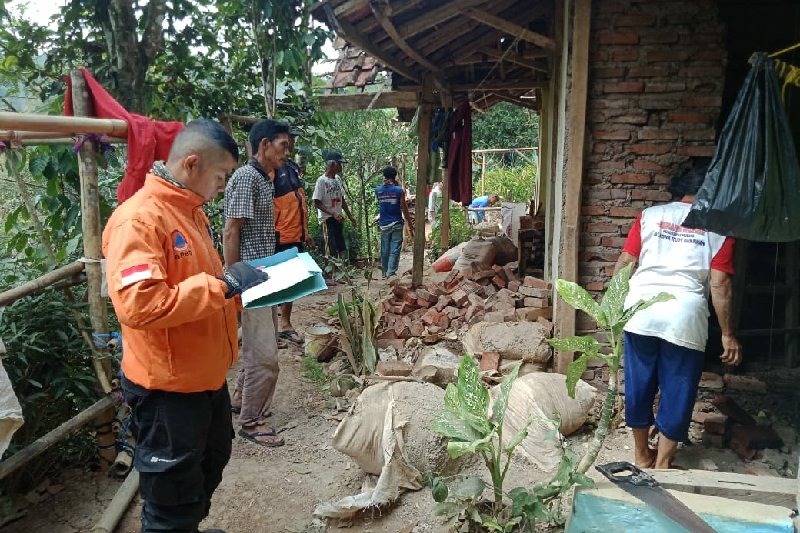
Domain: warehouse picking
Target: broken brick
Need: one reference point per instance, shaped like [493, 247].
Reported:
[421, 302]
[387, 334]
[443, 321]
[476, 300]
[499, 282]
[483, 275]
[755, 437]
[443, 302]
[433, 330]
[513, 286]
[713, 441]
[456, 324]
[494, 316]
[460, 298]
[410, 297]
[509, 274]
[427, 296]
[393, 368]
[588, 375]
[430, 317]
[402, 331]
[711, 381]
[490, 362]
[451, 276]
[533, 292]
[729, 407]
[745, 383]
[417, 329]
[530, 281]
[715, 423]
[536, 302]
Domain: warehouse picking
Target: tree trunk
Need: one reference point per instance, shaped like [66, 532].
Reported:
[263, 60]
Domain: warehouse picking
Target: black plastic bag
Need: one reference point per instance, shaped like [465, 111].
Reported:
[752, 188]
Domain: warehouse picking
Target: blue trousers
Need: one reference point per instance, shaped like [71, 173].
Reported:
[653, 364]
[391, 244]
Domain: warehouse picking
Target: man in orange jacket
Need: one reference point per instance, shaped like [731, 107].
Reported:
[175, 305]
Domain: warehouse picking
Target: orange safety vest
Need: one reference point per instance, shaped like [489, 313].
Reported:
[179, 332]
[291, 210]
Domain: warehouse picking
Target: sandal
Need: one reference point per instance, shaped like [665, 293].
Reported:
[236, 409]
[253, 437]
[291, 336]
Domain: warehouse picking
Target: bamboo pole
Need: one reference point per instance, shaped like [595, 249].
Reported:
[51, 258]
[119, 504]
[25, 137]
[93, 252]
[59, 124]
[42, 444]
[42, 282]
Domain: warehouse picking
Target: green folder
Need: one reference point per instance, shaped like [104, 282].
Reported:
[314, 283]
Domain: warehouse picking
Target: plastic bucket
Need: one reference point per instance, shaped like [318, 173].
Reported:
[317, 337]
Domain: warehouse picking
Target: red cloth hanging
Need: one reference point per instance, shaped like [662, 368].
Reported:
[148, 140]
[459, 157]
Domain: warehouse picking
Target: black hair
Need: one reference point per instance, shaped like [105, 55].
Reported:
[202, 134]
[266, 129]
[390, 173]
[689, 180]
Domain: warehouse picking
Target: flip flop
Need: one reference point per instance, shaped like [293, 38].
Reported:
[291, 336]
[253, 437]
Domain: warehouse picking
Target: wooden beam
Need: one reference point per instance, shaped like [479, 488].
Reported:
[512, 57]
[511, 28]
[59, 124]
[349, 7]
[499, 85]
[423, 157]
[42, 282]
[382, 12]
[22, 136]
[436, 16]
[352, 35]
[356, 101]
[760, 489]
[42, 444]
[576, 128]
[522, 102]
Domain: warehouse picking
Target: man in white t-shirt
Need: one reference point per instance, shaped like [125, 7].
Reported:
[664, 345]
[330, 202]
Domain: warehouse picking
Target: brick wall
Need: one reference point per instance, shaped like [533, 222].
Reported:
[655, 88]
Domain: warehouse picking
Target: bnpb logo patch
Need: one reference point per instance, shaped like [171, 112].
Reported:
[179, 242]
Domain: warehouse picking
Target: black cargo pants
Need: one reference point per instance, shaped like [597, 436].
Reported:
[183, 442]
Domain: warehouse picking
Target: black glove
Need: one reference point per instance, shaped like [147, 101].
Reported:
[240, 277]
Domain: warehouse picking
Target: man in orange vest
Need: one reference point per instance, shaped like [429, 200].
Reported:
[176, 309]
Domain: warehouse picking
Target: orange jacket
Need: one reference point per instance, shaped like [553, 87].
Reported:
[291, 210]
[179, 333]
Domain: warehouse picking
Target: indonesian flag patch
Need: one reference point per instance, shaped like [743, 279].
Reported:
[136, 273]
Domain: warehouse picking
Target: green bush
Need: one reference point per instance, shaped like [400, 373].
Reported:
[512, 183]
[460, 231]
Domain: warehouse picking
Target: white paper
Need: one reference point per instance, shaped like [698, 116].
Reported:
[281, 276]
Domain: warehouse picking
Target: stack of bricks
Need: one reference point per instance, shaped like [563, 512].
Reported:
[719, 422]
[656, 81]
[462, 299]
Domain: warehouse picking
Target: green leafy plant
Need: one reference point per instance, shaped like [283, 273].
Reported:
[358, 321]
[611, 316]
[470, 428]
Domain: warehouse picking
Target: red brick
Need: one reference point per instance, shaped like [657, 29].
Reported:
[513, 286]
[402, 331]
[617, 37]
[626, 55]
[595, 286]
[647, 148]
[710, 54]
[652, 103]
[628, 212]
[510, 275]
[613, 242]
[433, 330]
[490, 362]
[593, 210]
[649, 72]
[483, 274]
[697, 151]
[711, 381]
[690, 118]
[754, 437]
[667, 54]
[451, 276]
[623, 87]
[617, 194]
[612, 135]
[393, 368]
[610, 165]
[635, 20]
[601, 227]
[443, 302]
[532, 314]
[443, 321]
[598, 56]
[430, 317]
[425, 295]
[631, 178]
[708, 134]
[665, 86]
[702, 101]
[606, 72]
[744, 383]
[650, 195]
[422, 303]
[658, 37]
[643, 164]
[535, 292]
[638, 119]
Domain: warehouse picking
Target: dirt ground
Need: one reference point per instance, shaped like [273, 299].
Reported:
[276, 489]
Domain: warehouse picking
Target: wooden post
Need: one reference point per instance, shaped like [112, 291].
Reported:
[423, 156]
[444, 216]
[42, 282]
[93, 252]
[483, 173]
[565, 315]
